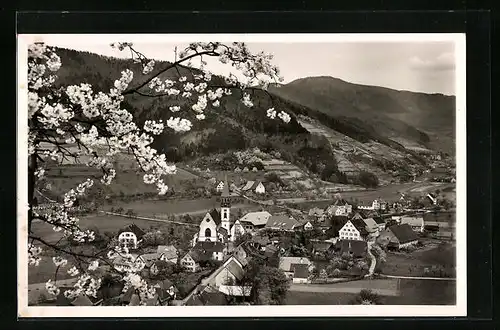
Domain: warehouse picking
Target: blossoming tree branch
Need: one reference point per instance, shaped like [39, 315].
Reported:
[95, 122]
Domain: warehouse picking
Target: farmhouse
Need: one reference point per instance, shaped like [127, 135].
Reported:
[282, 223]
[371, 226]
[376, 205]
[354, 229]
[130, 236]
[380, 222]
[255, 220]
[398, 236]
[189, 261]
[286, 264]
[125, 264]
[415, 222]
[168, 253]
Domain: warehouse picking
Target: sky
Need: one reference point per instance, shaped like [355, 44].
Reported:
[420, 66]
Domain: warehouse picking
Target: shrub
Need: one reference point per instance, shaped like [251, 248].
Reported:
[367, 179]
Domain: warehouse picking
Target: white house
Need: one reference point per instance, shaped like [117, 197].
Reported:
[254, 186]
[236, 231]
[220, 186]
[189, 263]
[260, 189]
[168, 253]
[130, 236]
[308, 226]
[376, 205]
[354, 229]
[339, 208]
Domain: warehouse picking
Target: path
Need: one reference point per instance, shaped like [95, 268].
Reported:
[372, 257]
[418, 277]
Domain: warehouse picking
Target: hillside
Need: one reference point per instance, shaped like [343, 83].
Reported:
[412, 119]
[233, 127]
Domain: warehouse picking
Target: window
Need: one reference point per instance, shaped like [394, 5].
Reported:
[208, 232]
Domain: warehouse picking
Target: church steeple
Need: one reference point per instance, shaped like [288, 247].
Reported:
[225, 205]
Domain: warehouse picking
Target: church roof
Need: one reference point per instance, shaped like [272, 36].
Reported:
[215, 215]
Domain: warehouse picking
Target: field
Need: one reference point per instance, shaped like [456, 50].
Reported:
[424, 292]
[414, 263]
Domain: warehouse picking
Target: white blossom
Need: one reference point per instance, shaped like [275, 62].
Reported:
[93, 265]
[148, 68]
[59, 261]
[73, 271]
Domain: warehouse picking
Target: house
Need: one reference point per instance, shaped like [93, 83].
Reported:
[354, 229]
[220, 186]
[316, 212]
[255, 220]
[306, 226]
[321, 247]
[236, 230]
[260, 242]
[377, 204]
[229, 273]
[168, 253]
[339, 208]
[398, 236]
[128, 263]
[415, 222]
[380, 223]
[149, 259]
[355, 248]
[300, 273]
[189, 262]
[165, 290]
[254, 186]
[158, 266]
[241, 254]
[282, 223]
[285, 264]
[130, 236]
[371, 226]
[237, 170]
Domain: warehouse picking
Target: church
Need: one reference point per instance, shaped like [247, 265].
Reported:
[217, 226]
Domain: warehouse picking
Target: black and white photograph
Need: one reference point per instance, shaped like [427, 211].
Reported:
[269, 175]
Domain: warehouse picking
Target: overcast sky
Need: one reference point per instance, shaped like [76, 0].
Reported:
[427, 67]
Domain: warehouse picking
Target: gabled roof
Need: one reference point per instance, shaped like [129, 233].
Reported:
[169, 251]
[371, 225]
[403, 233]
[149, 258]
[412, 220]
[379, 220]
[360, 225]
[235, 269]
[286, 262]
[281, 222]
[300, 270]
[357, 248]
[256, 218]
[133, 228]
[248, 185]
[215, 215]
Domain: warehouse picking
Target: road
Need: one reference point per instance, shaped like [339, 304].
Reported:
[419, 278]
[373, 259]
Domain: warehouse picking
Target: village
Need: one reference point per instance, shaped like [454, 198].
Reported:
[339, 243]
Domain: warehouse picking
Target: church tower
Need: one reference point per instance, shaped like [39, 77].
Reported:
[225, 206]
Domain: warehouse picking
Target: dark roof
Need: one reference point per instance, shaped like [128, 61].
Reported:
[223, 231]
[300, 270]
[360, 225]
[271, 250]
[340, 202]
[321, 246]
[403, 233]
[357, 248]
[379, 220]
[134, 229]
[207, 299]
[205, 249]
[215, 216]
[262, 240]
